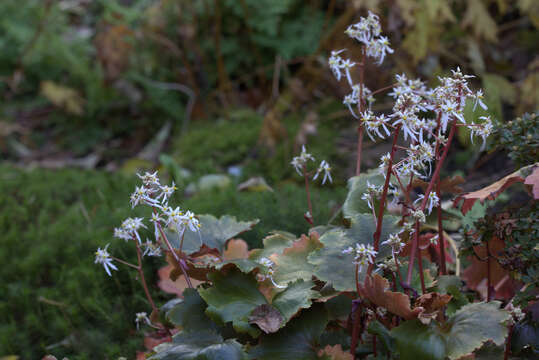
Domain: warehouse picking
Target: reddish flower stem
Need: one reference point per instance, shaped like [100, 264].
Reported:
[171, 249]
[489, 280]
[361, 106]
[142, 279]
[507, 351]
[378, 232]
[435, 176]
[441, 242]
[309, 204]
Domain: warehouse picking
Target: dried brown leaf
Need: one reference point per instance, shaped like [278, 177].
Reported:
[236, 249]
[533, 180]
[374, 289]
[335, 353]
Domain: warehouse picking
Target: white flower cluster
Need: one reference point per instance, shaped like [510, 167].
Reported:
[363, 255]
[395, 242]
[413, 101]
[366, 31]
[155, 195]
[269, 272]
[300, 164]
[103, 257]
[143, 318]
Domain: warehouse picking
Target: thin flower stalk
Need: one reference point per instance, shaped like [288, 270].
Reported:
[435, 176]
[142, 279]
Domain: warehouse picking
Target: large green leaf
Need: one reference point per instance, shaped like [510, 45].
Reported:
[297, 296]
[199, 345]
[233, 297]
[273, 244]
[292, 264]
[190, 313]
[472, 326]
[298, 340]
[357, 186]
[332, 266]
[416, 341]
[214, 233]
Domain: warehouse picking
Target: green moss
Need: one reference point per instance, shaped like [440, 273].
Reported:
[52, 292]
[279, 210]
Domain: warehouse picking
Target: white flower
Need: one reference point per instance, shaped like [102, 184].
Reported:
[166, 192]
[103, 257]
[478, 96]
[151, 249]
[190, 221]
[347, 65]
[149, 179]
[300, 161]
[142, 317]
[269, 273]
[433, 200]
[451, 108]
[324, 167]
[395, 242]
[419, 215]
[131, 226]
[350, 100]
[142, 195]
[482, 130]
[335, 62]
[362, 254]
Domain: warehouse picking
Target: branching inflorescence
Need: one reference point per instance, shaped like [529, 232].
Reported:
[163, 216]
[427, 119]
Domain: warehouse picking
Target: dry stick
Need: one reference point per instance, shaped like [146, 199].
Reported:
[441, 242]
[360, 128]
[415, 241]
[142, 279]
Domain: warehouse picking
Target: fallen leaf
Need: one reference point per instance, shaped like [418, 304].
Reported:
[433, 305]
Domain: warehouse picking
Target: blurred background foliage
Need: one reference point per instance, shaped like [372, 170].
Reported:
[229, 87]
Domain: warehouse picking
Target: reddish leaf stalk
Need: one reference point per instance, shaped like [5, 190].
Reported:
[435, 177]
[420, 265]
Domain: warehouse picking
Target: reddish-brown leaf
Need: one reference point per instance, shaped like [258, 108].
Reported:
[170, 286]
[475, 275]
[335, 353]
[236, 249]
[490, 192]
[533, 180]
[448, 185]
[374, 289]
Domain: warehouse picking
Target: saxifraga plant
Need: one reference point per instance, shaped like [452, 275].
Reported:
[339, 291]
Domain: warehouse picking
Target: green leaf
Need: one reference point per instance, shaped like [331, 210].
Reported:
[376, 328]
[292, 264]
[297, 296]
[190, 313]
[273, 244]
[450, 284]
[199, 345]
[298, 340]
[478, 17]
[332, 266]
[415, 341]
[357, 185]
[473, 325]
[525, 338]
[214, 233]
[233, 297]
